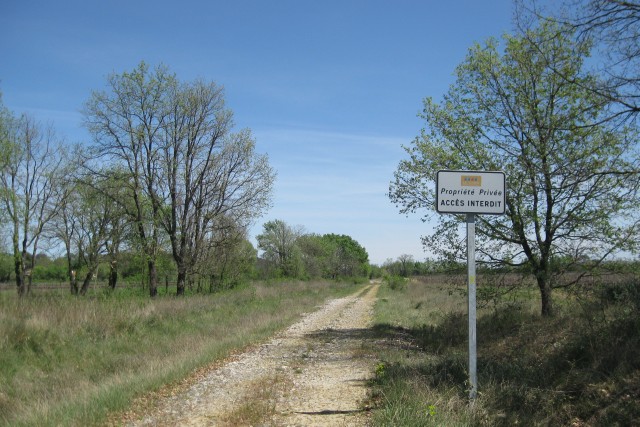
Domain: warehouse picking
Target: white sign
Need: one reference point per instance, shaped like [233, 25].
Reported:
[470, 192]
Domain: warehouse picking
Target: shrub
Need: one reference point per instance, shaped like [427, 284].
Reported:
[396, 283]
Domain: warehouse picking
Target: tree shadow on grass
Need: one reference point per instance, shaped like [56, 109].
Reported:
[551, 371]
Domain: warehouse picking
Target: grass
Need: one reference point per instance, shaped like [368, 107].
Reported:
[260, 403]
[581, 367]
[77, 361]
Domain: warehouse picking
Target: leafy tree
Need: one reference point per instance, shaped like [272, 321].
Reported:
[348, 258]
[99, 227]
[571, 182]
[6, 267]
[332, 256]
[316, 254]
[231, 261]
[407, 264]
[278, 243]
[63, 225]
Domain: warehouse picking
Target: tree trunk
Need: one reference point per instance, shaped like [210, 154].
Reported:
[545, 295]
[113, 275]
[181, 280]
[29, 281]
[73, 282]
[87, 280]
[153, 278]
[22, 289]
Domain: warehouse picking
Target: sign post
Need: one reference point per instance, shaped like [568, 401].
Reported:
[471, 300]
[471, 193]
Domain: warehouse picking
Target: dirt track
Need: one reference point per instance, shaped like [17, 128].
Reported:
[312, 374]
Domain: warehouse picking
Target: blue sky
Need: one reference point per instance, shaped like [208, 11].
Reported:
[331, 89]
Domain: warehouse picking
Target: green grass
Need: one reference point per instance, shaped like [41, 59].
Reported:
[581, 367]
[77, 361]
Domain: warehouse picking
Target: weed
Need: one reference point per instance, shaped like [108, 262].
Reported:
[380, 370]
[259, 402]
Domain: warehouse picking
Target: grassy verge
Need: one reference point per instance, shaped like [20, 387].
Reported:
[581, 367]
[73, 361]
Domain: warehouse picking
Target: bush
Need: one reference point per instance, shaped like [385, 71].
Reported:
[396, 283]
[626, 293]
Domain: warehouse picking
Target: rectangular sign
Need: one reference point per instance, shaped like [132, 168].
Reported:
[476, 192]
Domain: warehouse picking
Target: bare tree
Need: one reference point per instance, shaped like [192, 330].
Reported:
[63, 225]
[613, 27]
[30, 162]
[182, 166]
[213, 178]
[127, 123]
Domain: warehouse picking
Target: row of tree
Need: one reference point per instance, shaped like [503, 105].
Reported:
[290, 252]
[163, 170]
[306, 256]
[565, 135]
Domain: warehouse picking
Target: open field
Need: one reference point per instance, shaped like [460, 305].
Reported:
[581, 367]
[77, 361]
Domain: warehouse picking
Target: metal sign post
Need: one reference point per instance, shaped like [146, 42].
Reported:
[471, 296]
[471, 193]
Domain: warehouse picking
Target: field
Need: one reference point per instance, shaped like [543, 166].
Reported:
[580, 367]
[87, 361]
[79, 361]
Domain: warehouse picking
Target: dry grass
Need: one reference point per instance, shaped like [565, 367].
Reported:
[580, 367]
[259, 403]
[72, 361]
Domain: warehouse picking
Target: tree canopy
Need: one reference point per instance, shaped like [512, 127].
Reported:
[185, 172]
[295, 253]
[572, 180]
[613, 26]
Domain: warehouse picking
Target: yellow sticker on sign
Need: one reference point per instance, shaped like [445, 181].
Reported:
[471, 181]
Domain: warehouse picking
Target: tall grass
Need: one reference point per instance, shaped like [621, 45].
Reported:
[581, 367]
[73, 361]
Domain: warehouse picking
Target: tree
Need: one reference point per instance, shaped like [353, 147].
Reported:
[99, 227]
[571, 182]
[348, 258]
[127, 123]
[63, 227]
[407, 264]
[185, 168]
[29, 166]
[614, 27]
[213, 178]
[6, 267]
[316, 254]
[230, 260]
[278, 241]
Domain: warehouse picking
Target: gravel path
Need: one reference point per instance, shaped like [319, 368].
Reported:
[312, 374]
